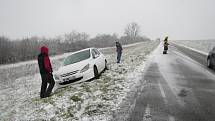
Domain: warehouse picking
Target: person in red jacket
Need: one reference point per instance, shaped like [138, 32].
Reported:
[45, 72]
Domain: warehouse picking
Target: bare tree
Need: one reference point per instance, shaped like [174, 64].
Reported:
[28, 48]
[75, 36]
[5, 45]
[104, 40]
[132, 30]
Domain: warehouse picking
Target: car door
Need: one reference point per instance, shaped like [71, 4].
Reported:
[102, 59]
[99, 59]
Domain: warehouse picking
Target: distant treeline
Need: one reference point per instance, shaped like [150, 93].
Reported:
[12, 51]
[27, 49]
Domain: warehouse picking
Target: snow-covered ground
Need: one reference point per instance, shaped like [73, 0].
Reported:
[88, 101]
[202, 45]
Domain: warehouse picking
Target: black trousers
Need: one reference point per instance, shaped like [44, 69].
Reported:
[119, 54]
[165, 47]
[46, 79]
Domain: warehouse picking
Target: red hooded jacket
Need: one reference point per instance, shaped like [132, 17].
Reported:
[43, 60]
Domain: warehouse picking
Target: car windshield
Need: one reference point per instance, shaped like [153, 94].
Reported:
[77, 57]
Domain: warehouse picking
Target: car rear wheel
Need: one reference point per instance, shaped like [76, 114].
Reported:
[106, 67]
[209, 63]
[96, 73]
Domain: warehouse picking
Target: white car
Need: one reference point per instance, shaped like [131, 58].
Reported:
[81, 66]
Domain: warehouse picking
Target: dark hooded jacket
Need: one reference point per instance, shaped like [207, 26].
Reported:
[118, 47]
[44, 62]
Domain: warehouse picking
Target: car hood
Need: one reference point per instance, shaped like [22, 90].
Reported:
[73, 67]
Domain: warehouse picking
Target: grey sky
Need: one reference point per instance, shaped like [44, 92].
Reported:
[180, 19]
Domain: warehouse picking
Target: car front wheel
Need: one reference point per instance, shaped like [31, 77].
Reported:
[209, 63]
[106, 67]
[96, 73]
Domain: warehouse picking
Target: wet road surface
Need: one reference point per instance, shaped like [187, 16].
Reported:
[179, 88]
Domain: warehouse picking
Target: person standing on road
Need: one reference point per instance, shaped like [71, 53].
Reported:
[166, 43]
[45, 72]
[119, 51]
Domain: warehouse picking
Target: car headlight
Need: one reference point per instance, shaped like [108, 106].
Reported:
[85, 68]
[56, 77]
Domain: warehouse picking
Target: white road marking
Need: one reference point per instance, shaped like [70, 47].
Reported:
[162, 93]
[147, 116]
[132, 106]
[171, 85]
[171, 118]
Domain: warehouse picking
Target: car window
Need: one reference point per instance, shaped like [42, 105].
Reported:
[97, 52]
[93, 53]
[94, 50]
[77, 57]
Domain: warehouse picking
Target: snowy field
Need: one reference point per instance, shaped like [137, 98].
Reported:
[202, 45]
[96, 100]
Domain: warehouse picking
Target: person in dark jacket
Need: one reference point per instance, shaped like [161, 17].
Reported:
[166, 43]
[45, 72]
[119, 51]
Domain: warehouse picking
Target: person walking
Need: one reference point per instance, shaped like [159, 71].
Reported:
[165, 45]
[45, 72]
[119, 51]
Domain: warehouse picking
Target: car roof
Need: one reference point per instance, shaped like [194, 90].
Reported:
[82, 50]
[86, 49]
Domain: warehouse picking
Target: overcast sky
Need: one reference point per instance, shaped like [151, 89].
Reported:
[179, 19]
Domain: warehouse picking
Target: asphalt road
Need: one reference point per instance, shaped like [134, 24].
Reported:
[179, 88]
[199, 57]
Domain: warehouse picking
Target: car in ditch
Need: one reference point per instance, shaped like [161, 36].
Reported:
[211, 59]
[81, 66]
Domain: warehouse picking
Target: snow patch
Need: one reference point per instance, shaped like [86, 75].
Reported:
[88, 101]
